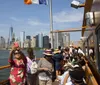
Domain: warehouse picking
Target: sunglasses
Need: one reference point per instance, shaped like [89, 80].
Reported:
[17, 52]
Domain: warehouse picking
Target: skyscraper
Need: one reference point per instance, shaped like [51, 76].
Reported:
[58, 40]
[61, 39]
[45, 42]
[66, 39]
[37, 40]
[41, 40]
[22, 39]
[10, 35]
[28, 37]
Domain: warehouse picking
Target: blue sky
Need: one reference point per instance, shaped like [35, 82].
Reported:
[34, 19]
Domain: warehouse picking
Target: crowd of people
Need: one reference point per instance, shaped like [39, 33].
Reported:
[65, 66]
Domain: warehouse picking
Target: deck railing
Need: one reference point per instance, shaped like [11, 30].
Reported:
[4, 82]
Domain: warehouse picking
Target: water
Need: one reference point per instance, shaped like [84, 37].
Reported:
[4, 54]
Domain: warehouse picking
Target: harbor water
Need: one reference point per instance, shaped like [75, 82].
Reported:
[4, 54]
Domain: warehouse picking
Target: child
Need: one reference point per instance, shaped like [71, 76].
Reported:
[18, 63]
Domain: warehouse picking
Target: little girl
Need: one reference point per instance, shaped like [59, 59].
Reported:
[18, 63]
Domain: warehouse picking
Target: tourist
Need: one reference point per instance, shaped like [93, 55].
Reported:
[58, 59]
[31, 72]
[18, 62]
[66, 55]
[80, 52]
[46, 68]
[91, 53]
[75, 77]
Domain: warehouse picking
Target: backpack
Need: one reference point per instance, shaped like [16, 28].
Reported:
[31, 66]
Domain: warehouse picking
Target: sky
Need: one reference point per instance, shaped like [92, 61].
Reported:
[34, 19]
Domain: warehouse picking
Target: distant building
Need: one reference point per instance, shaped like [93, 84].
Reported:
[2, 42]
[41, 40]
[61, 39]
[33, 42]
[10, 35]
[58, 40]
[28, 37]
[66, 39]
[46, 42]
[22, 39]
[28, 41]
[13, 37]
[37, 40]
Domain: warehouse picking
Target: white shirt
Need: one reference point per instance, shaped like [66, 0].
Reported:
[80, 51]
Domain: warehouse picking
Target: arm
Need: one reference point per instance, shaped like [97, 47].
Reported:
[11, 55]
[65, 79]
[10, 59]
[11, 52]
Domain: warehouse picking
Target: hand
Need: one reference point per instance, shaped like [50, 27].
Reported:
[45, 69]
[13, 48]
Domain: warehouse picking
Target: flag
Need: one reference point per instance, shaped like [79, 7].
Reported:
[35, 2]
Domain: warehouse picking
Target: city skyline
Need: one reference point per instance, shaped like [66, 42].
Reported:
[31, 19]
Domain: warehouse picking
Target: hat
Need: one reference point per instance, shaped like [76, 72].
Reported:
[47, 52]
[16, 44]
[56, 51]
[77, 74]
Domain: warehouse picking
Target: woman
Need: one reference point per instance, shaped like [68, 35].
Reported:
[31, 78]
[18, 62]
[46, 67]
[58, 59]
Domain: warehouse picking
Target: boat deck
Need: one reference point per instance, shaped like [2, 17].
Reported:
[55, 83]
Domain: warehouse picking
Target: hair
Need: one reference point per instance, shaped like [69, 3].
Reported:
[75, 77]
[30, 53]
[23, 57]
[67, 49]
[59, 47]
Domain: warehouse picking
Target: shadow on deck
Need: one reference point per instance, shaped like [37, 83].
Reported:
[55, 83]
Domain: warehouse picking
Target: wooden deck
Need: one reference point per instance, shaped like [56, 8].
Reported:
[55, 83]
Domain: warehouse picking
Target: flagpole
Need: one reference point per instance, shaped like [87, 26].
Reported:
[51, 24]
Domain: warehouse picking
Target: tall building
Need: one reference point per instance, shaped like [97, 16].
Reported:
[66, 39]
[61, 39]
[58, 40]
[28, 37]
[37, 40]
[28, 40]
[45, 41]
[22, 39]
[10, 35]
[41, 40]
[2, 42]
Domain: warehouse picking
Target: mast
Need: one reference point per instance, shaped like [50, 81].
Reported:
[51, 24]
